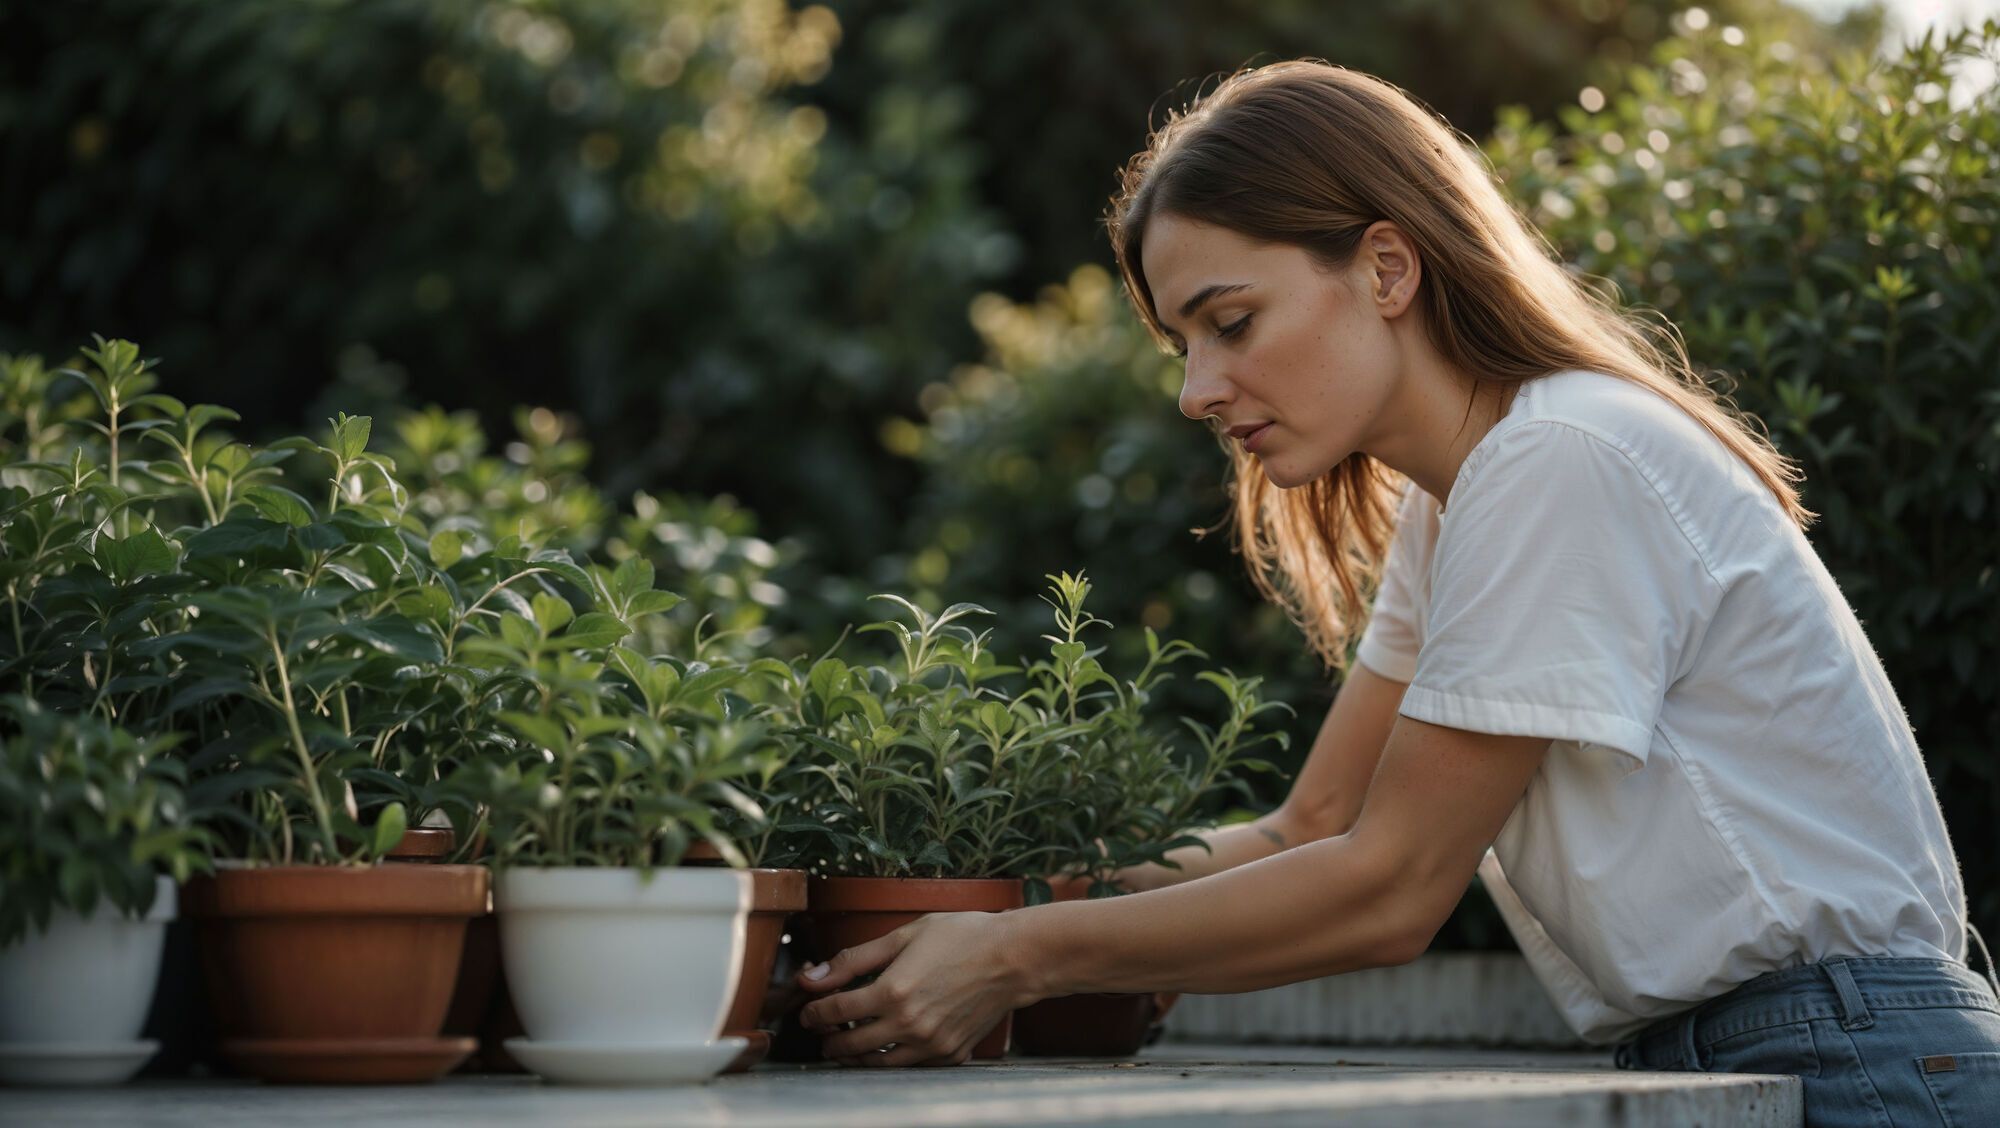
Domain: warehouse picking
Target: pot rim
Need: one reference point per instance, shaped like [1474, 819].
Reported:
[393, 889]
[672, 889]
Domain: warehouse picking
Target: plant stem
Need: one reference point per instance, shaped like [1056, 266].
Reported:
[451, 639]
[201, 487]
[320, 809]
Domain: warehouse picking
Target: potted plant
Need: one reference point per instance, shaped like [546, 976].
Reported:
[1137, 790]
[95, 832]
[197, 592]
[778, 883]
[620, 961]
[931, 789]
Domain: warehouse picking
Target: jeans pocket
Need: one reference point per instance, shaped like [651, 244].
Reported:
[1965, 1087]
[1786, 1049]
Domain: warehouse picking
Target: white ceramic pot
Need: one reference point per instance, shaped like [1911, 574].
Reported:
[81, 990]
[598, 956]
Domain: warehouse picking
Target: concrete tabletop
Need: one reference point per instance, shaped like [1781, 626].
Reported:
[1170, 1083]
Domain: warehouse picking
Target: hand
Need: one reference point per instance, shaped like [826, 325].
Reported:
[947, 979]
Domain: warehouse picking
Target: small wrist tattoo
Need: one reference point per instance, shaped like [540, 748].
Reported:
[1273, 835]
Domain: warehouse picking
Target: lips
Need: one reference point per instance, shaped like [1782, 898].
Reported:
[1251, 439]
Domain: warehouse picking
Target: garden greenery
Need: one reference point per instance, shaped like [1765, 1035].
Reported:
[930, 768]
[336, 660]
[89, 814]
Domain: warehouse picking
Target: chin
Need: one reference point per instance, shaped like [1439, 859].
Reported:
[1285, 478]
[1285, 481]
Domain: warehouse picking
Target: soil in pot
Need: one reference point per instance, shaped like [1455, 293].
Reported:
[336, 973]
[775, 894]
[1090, 1025]
[844, 912]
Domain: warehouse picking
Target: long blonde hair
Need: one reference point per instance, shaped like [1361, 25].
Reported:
[1311, 154]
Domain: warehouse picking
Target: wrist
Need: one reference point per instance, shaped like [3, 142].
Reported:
[1025, 958]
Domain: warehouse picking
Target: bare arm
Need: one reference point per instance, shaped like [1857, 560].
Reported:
[1373, 896]
[1324, 799]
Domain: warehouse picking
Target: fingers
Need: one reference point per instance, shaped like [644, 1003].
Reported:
[851, 962]
[864, 1004]
[912, 1054]
[868, 1037]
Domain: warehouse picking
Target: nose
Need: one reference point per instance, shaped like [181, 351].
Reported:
[1204, 388]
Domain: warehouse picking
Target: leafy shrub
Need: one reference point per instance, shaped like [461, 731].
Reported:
[332, 655]
[88, 813]
[620, 759]
[906, 775]
[1821, 230]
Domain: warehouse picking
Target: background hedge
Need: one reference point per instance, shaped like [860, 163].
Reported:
[833, 276]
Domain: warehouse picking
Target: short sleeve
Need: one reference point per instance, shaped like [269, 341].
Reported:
[1394, 635]
[1565, 595]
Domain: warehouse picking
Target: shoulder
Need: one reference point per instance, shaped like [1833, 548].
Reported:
[1586, 453]
[1650, 430]
[1568, 421]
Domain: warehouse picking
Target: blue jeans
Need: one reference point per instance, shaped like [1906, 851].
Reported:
[1876, 1041]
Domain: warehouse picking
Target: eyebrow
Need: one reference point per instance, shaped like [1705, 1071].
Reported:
[1213, 290]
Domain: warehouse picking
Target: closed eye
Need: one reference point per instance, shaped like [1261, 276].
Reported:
[1224, 333]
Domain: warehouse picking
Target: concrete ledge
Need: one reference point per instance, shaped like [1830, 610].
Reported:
[1181, 1084]
[1449, 998]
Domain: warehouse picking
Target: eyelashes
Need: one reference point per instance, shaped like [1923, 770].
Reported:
[1224, 333]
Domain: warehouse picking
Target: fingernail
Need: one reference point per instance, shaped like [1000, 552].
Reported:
[817, 971]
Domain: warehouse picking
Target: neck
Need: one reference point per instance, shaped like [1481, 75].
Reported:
[1428, 431]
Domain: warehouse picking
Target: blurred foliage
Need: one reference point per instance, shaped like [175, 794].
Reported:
[704, 549]
[1823, 230]
[605, 206]
[1115, 66]
[699, 225]
[735, 243]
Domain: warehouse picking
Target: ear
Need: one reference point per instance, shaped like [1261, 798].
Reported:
[1391, 268]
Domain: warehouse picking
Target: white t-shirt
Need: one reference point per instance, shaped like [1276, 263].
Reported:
[1733, 787]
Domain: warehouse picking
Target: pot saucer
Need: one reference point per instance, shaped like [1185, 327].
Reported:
[73, 1063]
[626, 1063]
[347, 1061]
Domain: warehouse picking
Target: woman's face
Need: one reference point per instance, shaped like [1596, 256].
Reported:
[1295, 346]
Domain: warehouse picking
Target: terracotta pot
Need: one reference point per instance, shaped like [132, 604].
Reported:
[423, 844]
[848, 911]
[775, 894]
[1108, 1024]
[336, 973]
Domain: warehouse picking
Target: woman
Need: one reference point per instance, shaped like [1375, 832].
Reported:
[1600, 646]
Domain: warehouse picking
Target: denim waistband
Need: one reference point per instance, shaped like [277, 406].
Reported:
[1846, 988]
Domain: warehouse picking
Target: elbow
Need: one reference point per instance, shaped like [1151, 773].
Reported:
[1407, 941]
[1303, 822]
[1409, 911]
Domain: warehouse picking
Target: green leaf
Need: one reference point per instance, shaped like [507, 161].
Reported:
[541, 731]
[447, 546]
[593, 630]
[280, 505]
[633, 576]
[202, 414]
[389, 828]
[350, 435]
[397, 635]
[654, 602]
[165, 404]
[552, 612]
[236, 536]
